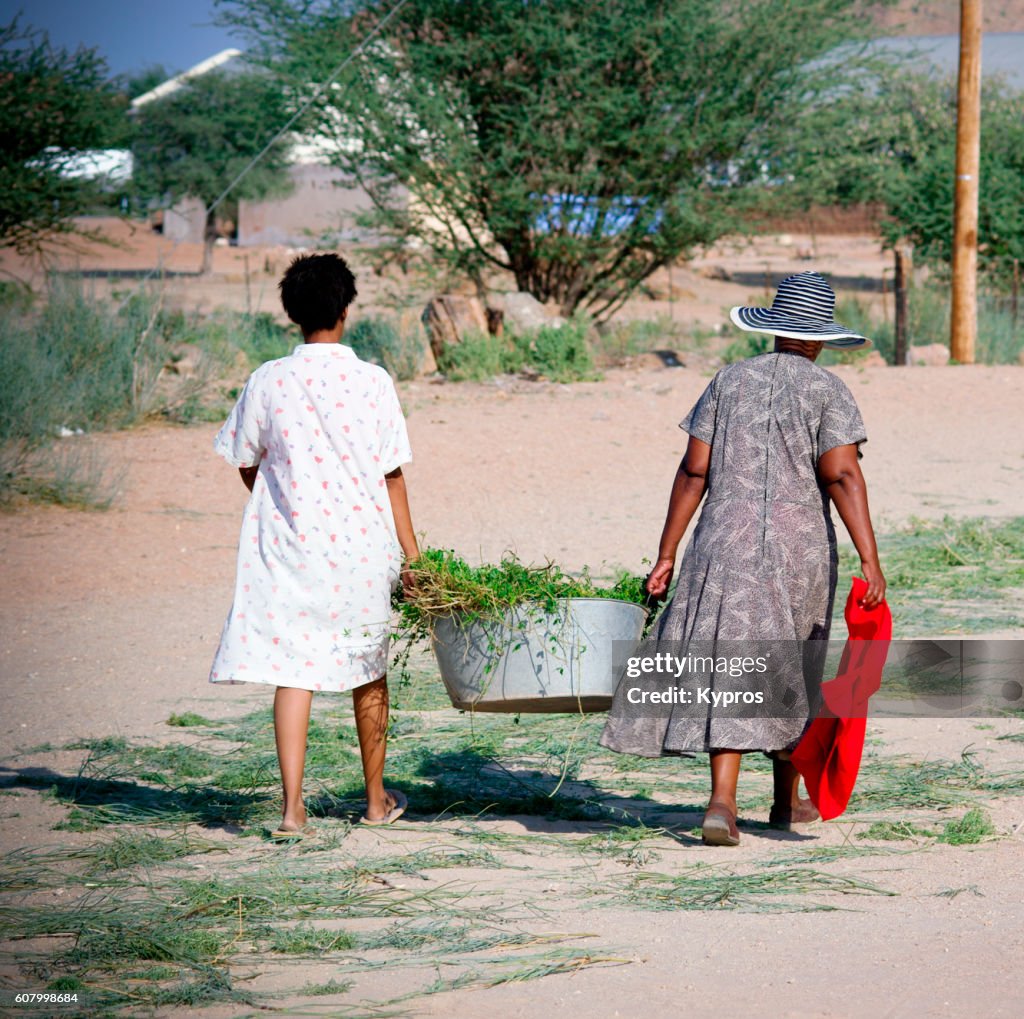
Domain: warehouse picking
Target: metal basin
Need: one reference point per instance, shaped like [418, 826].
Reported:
[536, 662]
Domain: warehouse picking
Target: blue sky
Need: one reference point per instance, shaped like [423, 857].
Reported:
[135, 34]
[130, 34]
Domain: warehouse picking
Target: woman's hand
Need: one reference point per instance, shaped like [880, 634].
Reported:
[408, 583]
[660, 577]
[872, 573]
[408, 580]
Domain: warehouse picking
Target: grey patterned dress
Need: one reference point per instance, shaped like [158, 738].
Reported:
[762, 560]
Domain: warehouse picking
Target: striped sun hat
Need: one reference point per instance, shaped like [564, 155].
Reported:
[802, 310]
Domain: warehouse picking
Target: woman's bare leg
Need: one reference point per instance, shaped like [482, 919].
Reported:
[370, 703]
[787, 784]
[725, 772]
[291, 727]
[787, 805]
[719, 825]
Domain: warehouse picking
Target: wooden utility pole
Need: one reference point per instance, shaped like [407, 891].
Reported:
[964, 315]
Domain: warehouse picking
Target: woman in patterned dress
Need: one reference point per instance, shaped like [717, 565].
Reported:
[773, 440]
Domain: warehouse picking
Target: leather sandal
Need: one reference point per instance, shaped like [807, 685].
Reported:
[719, 826]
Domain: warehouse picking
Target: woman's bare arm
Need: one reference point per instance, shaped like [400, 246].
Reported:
[840, 473]
[249, 475]
[403, 518]
[687, 492]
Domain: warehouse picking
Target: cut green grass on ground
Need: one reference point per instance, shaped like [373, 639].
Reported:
[172, 895]
[949, 576]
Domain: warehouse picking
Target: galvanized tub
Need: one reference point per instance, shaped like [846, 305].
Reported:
[537, 662]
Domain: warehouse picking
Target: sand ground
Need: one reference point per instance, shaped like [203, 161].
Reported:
[110, 620]
[244, 279]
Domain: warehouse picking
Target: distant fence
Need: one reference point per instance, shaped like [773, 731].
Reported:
[827, 219]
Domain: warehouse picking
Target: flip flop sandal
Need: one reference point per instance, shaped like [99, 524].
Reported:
[291, 834]
[393, 815]
[719, 827]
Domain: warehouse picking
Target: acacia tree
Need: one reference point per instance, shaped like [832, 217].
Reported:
[578, 145]
[919, 200]
[54, 106]
[892, 141]
[196, 141]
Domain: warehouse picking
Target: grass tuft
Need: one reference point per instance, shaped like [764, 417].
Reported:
[308, 940]
[72, 473]
[323, 990]
[713, 888]
[188, 719]
[398, 346]
[895, 831]
[974, 827]
[898, 779]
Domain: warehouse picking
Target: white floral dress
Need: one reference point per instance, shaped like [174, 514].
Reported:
[318, 555]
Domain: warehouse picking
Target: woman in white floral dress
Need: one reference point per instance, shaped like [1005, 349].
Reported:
[319, 439]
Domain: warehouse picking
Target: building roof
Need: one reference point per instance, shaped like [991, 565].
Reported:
[172, 85]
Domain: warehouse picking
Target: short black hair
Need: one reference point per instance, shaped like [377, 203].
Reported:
[316, 290]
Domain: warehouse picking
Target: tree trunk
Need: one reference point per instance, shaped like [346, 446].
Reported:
[209, 239]
[901, 281]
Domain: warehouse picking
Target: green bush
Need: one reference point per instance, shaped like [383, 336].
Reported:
[479, 356]
[63, 366]
[380, 341]
[78, 364]
[81, 364]
[15, 295]
[371, 338]
[1000, 337]
[561, 353]
[71, 473]
[747, 345]
[259, 337]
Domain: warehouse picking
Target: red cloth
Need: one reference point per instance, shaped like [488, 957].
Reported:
[828, 756]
